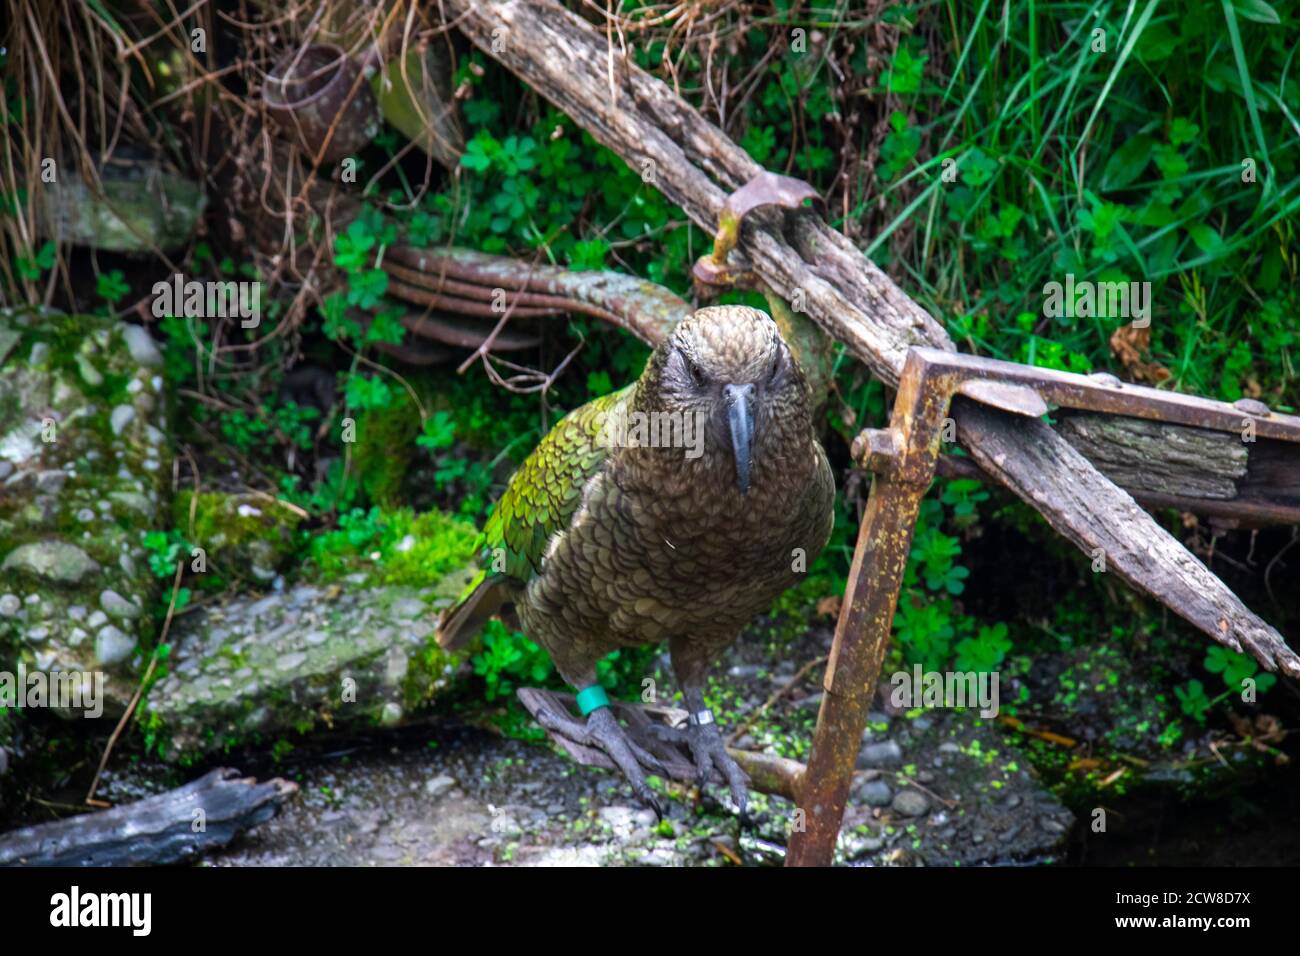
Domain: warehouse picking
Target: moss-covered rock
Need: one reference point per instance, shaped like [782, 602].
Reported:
[243, 535]
[254, 671]
[83, 457]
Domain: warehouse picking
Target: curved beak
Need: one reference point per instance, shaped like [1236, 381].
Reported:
[739, 400]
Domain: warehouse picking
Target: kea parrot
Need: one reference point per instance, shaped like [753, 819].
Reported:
[610, 536]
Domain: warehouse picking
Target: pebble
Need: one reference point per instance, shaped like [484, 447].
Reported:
[886, 753]
[120, 417]
[876, 793]
[89, 374]
[292, 661]
[409, 608]
[112, 646]
[910, 803]
[116, 605]
[439, 785]
[141, 346]
[55, 561]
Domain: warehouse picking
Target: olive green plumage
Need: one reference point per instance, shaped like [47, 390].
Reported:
[602, 541]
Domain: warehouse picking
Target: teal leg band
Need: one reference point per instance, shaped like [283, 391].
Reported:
[592, 698]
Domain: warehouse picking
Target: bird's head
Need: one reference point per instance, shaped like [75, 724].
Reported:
[730, 375]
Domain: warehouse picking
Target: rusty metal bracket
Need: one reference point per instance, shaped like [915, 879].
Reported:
[903, 460]
[765, 189]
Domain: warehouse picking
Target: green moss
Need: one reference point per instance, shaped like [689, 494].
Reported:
[242, 535]
[385, 440]
[394, 547]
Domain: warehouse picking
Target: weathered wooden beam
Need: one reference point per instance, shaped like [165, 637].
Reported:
[165, 828]
[1205, 463]
[695, 165]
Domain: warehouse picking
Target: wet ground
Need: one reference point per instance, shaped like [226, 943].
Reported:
[462, 796]
[934, 787]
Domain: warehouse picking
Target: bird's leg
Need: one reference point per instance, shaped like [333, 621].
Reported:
[602, 729]
[702, 736]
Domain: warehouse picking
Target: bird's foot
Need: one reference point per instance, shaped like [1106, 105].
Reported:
[708, 748]
[603, 730]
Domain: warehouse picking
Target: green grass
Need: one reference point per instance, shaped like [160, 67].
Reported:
[1118, 165]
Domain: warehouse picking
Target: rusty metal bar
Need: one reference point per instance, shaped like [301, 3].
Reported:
[1105, 393]
[904, 459]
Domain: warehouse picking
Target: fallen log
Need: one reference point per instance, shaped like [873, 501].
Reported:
[166, 828]
[695, 165]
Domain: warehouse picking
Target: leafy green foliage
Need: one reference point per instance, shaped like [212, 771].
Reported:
[111, 287]
[985, 651]
[1236, 669]
[509, 660]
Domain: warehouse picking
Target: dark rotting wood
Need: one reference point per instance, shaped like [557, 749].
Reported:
[167, 828]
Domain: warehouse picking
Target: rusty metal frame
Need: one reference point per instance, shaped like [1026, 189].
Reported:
[903, 459]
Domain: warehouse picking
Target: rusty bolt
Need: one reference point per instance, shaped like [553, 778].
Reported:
[876, 449]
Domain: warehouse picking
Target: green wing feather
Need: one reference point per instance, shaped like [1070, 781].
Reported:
[538, 502]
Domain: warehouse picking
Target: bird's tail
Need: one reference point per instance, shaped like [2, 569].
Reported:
[461, 622]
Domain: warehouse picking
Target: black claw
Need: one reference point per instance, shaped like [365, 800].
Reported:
[710, 751]
[604, 730]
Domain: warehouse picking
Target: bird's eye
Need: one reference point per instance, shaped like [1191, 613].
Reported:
[780, 363]
[688, 370]
[696, 373]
